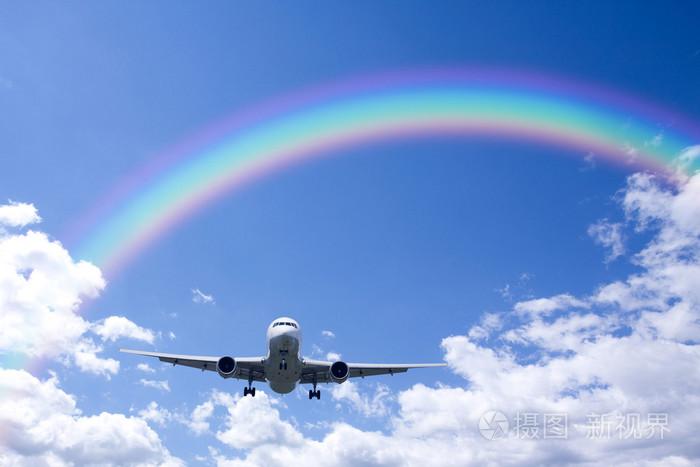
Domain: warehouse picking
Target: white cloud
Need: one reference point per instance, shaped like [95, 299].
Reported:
[645, 201]
[545, 306]
[254, 422]
[41, 289]
[373, 402]
[42, 426]
[628, 349]
[329, 334]
[688, 156]
[333, 356]
[489, 322]
[609, 235]
[85, 357]
[145, 368]
[200, 297]
[160, 385]
[18, 215]
[158, 415]
[117, 327]
[198, 419]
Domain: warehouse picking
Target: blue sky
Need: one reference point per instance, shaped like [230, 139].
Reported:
[550, 282]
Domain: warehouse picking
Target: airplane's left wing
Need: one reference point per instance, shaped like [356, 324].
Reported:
[320, 371]
[245, 367]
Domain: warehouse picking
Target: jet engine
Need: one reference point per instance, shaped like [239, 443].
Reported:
[226, 366]
[339, 372]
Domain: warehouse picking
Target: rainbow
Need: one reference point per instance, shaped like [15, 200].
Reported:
[391, 106]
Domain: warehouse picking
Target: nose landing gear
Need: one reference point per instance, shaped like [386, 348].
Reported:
[283, 364]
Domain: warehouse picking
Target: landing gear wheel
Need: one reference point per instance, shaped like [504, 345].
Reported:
[247, 391]
[316, 394]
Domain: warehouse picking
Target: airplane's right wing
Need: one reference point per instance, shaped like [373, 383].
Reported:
[320, 371]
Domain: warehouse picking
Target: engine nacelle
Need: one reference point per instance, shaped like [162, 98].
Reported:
[339, 372]
[226, 366]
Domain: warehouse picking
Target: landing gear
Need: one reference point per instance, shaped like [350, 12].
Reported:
[314, 393]
[283, 365]
[249, 390]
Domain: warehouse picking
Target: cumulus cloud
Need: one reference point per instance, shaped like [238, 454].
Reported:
[373, 402]
[545, 306]
[18, 215]
[84, 355]
[624, 356]
[251, 421]
[628, 348]
[41, 289]
[118, 327]
[688, 156]
[609, 235]
[145, 367]
[490, 322]
[198, 419]
[43, 426]
[329, 334]
[625, 352]
[155, 414]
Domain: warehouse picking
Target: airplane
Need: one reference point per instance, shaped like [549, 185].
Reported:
[283, 367]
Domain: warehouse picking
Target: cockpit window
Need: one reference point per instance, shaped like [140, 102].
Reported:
[279, 323]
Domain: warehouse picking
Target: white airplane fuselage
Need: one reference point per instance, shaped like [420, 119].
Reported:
[283, 362]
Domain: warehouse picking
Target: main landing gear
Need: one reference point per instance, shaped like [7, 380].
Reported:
[249, 390]
[314, 393]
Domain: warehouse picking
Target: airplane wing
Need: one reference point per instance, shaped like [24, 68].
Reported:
[319, 370]
[245, 367]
